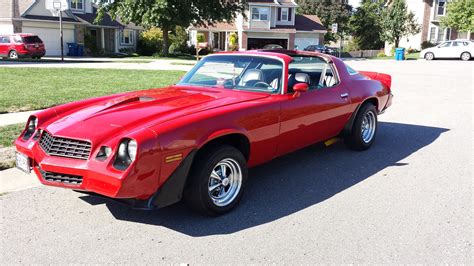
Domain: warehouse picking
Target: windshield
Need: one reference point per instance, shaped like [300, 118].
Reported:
[248, 73]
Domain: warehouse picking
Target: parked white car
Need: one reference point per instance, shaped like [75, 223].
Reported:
[463, 49]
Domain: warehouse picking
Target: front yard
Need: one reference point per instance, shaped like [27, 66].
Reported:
[24, 89]
[7, 135]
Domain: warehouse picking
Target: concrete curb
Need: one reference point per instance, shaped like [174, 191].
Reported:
[15, 180]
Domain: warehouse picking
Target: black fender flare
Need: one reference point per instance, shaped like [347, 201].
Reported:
[172, 190]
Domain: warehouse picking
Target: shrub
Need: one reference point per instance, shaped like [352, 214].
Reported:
[179, 41]
[200, 37]
[427, 44]
[381, 54]
[128, 51]
[392, 51]
[150, 41]
[351, 46]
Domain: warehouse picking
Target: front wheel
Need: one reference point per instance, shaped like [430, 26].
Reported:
[364, 128]
[13, 55]
[217, 180]
[429, 56]
[465, 56]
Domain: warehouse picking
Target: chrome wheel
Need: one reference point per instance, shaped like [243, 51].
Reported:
[13, 55]
[466, 56]
[225, 182]
[429, 56]
[369, 124]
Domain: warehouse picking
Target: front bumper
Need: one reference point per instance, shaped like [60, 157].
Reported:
[88, 175]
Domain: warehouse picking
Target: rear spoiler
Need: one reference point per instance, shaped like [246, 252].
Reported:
[385, 79]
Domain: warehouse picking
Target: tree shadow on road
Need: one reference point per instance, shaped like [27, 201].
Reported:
[291, 183]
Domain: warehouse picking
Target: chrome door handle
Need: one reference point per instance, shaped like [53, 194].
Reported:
[344, 95]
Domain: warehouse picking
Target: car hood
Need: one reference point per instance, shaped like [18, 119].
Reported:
[142, 109]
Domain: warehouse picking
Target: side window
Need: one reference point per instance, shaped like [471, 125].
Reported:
[314, 71]
[329, 77]
[445, 45]
[17, 39]
[351, 70]
[5, 39]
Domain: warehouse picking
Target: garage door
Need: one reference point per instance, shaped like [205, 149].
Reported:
[257, 43]
[302, 43]
[50, 39]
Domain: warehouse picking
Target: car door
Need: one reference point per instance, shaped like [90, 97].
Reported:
[316, 115]
[4, 43]
[444, 50]
[458, 48]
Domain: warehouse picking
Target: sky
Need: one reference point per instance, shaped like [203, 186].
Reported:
[354, 3]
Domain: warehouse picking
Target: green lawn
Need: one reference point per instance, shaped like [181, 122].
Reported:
[412, 56]
[9, 133]
[24, 89]
[7, 153]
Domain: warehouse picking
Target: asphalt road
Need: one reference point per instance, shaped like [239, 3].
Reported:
[406, 200]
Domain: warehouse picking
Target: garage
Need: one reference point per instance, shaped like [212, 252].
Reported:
[259, 43]
[50, 37]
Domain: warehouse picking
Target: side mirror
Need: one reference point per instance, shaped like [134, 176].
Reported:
[298, 88]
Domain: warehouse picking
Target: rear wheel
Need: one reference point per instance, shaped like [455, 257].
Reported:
[364, 128]
[466, 56]
[217, 180]
[429, 56]
[13, 54]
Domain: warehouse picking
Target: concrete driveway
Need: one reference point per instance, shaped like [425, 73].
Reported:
[406, 200]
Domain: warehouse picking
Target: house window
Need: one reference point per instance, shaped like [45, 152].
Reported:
[441, 8]
[284, 14]
[77, 4]
[127, 37]
[433, 34]
[260, 13]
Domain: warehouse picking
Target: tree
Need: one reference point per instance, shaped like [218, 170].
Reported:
[398, 22]
[459, 15]
[366, 24]
[329, 11]
[167, 14]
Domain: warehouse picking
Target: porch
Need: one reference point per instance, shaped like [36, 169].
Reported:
[100, 40]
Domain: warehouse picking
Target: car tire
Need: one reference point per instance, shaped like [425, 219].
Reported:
[429, 56]
[466, 56]
[217, 180]
[364, 128]
[13, 54]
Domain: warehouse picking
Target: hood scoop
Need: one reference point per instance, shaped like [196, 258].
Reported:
[146, 98]
[143, 98]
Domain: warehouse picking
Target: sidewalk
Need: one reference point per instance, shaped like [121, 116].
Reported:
[158, 64]
[15, 118]
[14, 180]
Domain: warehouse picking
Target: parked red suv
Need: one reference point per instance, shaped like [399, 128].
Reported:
[21, 45]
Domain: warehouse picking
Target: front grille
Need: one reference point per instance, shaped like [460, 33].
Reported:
[64, 147]
[62, 178]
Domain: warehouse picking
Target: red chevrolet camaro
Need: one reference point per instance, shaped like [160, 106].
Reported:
[196, 139]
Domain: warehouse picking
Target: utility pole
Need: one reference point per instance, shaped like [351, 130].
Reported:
[61, 34]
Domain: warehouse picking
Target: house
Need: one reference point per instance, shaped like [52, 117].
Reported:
[428, 14]
[31, 16]
[265, 22]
